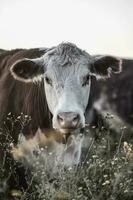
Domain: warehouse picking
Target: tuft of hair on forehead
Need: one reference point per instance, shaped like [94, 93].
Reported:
[68, 53]
[68, 49]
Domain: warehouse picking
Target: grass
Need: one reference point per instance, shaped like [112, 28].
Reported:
[106, 172]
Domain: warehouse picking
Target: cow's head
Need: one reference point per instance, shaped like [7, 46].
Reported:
[66, 71]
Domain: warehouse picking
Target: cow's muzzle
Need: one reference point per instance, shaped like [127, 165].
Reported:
[68, 120]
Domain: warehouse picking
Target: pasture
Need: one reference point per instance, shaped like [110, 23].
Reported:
[106, 170]
[66, 100]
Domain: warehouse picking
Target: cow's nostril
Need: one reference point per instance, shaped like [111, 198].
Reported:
[60, 118]
[76, 118]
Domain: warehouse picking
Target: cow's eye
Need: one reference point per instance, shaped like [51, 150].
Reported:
[85, 80]
[48, 80]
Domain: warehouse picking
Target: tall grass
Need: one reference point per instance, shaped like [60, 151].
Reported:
[105, 172]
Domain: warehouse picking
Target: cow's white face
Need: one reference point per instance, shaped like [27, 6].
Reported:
[67, 89]
[66, 71]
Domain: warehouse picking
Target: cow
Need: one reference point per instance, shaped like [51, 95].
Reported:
[51, 85]
[64, 76]
[112, 101]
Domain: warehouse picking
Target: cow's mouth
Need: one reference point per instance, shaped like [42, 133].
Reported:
[69, 131]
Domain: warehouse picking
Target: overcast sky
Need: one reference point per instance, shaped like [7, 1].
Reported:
[98, 26]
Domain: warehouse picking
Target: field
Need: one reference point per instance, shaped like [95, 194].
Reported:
[106, 172]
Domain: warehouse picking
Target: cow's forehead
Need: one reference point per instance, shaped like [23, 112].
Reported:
[69, 70]
[57, 66]
[66, 55]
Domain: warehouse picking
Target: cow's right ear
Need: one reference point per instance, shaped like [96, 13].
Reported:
[28, 70]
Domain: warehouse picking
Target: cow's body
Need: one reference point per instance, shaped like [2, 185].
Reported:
[113, 99]
[17, 97]
[2, 51]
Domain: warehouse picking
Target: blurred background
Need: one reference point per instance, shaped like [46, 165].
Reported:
[98, 26]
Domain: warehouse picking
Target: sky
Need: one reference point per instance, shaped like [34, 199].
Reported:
[97, 26]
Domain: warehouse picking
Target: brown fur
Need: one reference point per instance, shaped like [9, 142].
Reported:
[18, 97]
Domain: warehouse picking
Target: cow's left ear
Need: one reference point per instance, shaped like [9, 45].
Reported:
[103, 66]
[28, 70]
